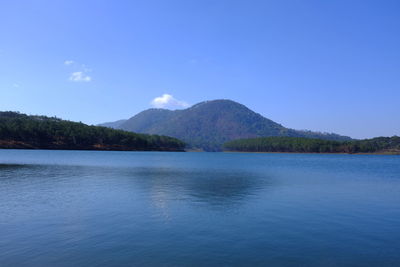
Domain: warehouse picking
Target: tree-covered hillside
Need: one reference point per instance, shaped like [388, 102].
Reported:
[307, 145]
[209, 124]
[23, 131]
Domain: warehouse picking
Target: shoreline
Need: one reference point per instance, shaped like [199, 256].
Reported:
[13, 144]
[91, 149]
[318, 153]
[194, 151]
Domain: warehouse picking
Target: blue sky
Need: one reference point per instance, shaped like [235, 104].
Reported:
[321, 65]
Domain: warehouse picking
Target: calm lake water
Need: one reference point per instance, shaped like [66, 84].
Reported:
[87, 208]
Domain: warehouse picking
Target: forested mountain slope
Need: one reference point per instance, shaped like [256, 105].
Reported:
[388, 145]
[40, 132]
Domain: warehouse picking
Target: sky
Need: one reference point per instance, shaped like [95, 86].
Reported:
[329, 66]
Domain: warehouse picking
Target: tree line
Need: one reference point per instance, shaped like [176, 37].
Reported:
[307, 145]
[22, 131]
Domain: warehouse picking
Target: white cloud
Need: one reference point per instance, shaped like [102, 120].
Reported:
[15, 85]
[168, 101]
[80, 71]
[80, 76]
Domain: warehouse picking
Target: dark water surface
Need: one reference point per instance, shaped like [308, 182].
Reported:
[82, 208]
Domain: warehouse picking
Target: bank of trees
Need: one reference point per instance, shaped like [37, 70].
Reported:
[307, 145]
[23, 131]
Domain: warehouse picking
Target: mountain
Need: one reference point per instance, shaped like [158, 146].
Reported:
[114, 124]
[40, 132]
[209, 124]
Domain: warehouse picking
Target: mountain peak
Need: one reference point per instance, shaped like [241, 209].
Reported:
[217, 102]
[209, 124]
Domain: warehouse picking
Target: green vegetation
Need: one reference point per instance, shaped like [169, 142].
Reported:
[209, 124]
[306, 145]
[23, 131]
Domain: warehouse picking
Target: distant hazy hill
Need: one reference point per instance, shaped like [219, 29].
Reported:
[23, 131]
[114, 124]
[209, 124]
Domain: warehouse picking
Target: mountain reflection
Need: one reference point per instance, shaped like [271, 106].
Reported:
[215, 187]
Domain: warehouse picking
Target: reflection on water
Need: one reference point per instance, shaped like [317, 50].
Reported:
[79, 208]
[216, 187]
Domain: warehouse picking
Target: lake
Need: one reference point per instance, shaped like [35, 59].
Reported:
[92, 208]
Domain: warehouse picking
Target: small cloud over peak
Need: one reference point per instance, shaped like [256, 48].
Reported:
[80, 76]
[169, 102]
[68, 62]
